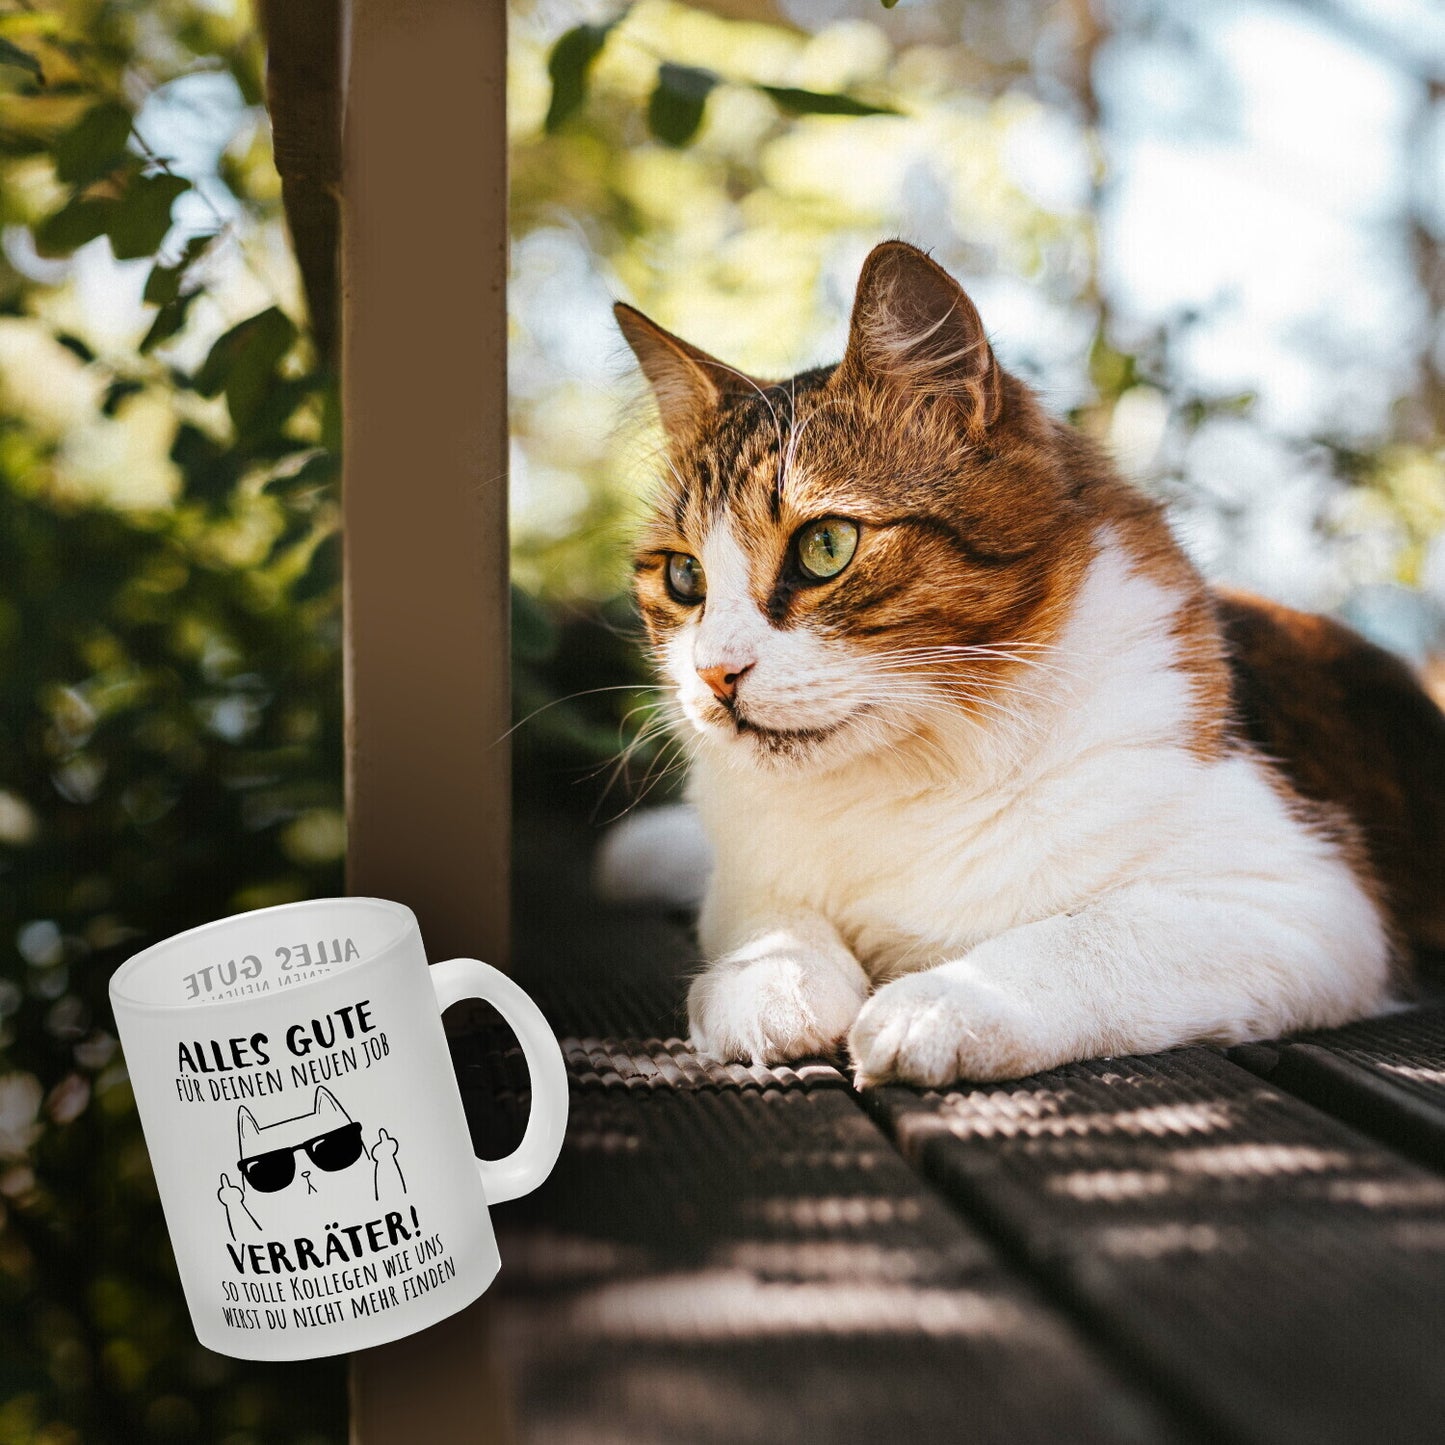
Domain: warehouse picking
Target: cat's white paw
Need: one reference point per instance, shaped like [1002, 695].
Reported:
[769, 1006]
[943, 1025]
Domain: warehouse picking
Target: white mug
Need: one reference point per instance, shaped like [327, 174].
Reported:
[305, 1127]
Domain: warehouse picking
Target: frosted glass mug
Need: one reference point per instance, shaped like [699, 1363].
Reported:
[306, 1130]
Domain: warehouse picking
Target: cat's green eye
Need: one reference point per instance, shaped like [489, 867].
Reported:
[825, 548]
[685, 578]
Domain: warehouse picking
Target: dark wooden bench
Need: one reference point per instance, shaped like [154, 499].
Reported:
[1196, 1245]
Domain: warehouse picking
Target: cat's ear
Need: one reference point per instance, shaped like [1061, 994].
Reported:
[914, 328]
[685, 380]
[246, 1129]
[326, 1104]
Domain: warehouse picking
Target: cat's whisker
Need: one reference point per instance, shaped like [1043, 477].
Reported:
[1025, 644]
[664, 767]
[573, 696]
[959, 704]
[667, 721]
[945, 682]
[937, 662]
[982, 714]
[660, 768]
[649, 732]
[1005, 733]
[785, 460]
[795, 435]
[768, 402]
[652, 729]
[961, 686]
[1001, 654]
[945, 652]
[1012, 648]
[656, 707]
[1058, 689]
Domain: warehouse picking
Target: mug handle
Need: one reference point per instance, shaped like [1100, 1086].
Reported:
[532, 1160]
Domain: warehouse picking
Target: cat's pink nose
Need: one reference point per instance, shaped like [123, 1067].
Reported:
[723, 679]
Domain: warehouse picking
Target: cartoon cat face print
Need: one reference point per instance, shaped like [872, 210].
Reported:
[307, 1172]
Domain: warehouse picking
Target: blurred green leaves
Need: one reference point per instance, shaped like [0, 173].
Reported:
[142, 216]
[169, 320]
[18, 59]
[674, 111]
[243, 362]
[170, 702]
[678, 99]
[163, 289]
[811, 102]
[571, 59]
[112, 193]
[95, 145]
[136, 220]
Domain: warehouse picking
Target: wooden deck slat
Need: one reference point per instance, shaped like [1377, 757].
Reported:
[672, 1064]
[755, 1262]
[1277, 1274]
[1384, 1076]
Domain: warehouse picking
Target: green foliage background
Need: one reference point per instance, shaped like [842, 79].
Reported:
[169, 678]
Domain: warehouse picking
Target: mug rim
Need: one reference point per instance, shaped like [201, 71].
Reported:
[121, 977]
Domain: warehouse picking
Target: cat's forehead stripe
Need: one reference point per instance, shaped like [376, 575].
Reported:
[756, 433]
[727, 563]
[749, 459]
[753, 446]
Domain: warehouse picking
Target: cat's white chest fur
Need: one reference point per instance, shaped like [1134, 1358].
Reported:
[916, 855]
[1072, 877]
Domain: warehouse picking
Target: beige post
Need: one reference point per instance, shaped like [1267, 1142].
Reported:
[424, 238]
[424, 242]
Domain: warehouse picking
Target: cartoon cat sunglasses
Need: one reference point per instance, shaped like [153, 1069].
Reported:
[334, 1150]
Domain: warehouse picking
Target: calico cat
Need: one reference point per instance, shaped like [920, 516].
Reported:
[993, 780]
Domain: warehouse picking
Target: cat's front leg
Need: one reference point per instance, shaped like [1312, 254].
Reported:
[791, 988]
[1146, 970]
